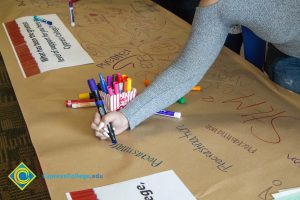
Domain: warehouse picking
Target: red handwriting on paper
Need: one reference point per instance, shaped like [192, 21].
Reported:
[256, 113]
[260, 112]
[208, 99]
[265, 195]
[294, 160]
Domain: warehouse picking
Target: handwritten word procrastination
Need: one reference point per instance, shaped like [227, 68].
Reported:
[125, 149]
[201, 148]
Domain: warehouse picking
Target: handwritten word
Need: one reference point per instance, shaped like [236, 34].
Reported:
[115, 58]
[146, 193]
[269, 115]
[266, 193]
[258, 113]
[137, 153]
[230, 138]
[295, 160]
[201, 148]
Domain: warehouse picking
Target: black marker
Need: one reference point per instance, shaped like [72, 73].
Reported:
[101, 108]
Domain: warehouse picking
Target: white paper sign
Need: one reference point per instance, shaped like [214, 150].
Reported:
[52, 46]
[160, 186]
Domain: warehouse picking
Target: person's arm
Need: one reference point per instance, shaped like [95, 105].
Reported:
[206, 40]
[202, 48]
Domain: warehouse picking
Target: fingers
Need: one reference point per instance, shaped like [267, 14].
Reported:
[101, 131]
[101, 135]
[97, 118]
[99, 124]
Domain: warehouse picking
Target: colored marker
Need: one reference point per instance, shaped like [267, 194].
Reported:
[181, 100]
[116, 87]
[146, 82]
[124, 77]
[121, 87]
[39, 19]
[110, 91]
[72, 19]
[101, 108]
[129, 81]
[81, 103]
[125, 86]
[86, 96]
[168, 113]
[114, 77]
[119, 78]
[103, 84]
[196, 88]
[109, 80]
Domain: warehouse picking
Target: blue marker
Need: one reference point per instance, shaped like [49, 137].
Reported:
[39, 19]
[101, 108]
[103, 84]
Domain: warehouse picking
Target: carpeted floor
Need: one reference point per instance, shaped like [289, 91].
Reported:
[16, 146]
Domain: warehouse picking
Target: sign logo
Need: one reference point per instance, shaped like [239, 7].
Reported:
[22, 176]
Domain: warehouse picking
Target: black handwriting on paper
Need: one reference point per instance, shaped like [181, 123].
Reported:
[154, 162]
[200, 147]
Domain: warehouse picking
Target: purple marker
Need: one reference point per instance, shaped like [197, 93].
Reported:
[168, 113]
[109, 81]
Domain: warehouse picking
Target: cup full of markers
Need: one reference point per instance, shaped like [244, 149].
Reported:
[115, 90]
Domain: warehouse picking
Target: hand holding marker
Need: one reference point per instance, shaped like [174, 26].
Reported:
[101, 108]
[116, 84]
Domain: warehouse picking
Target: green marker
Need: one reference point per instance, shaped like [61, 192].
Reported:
[181, 100]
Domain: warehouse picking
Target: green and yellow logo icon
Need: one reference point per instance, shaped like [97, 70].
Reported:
[22, 176]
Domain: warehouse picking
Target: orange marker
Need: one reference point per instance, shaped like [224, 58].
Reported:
[146, 82]
[196, 88]
[125, 86]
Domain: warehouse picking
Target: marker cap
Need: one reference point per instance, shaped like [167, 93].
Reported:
[129, 81]
[116, 87]
[109, 80]
[181, 100]
[110, 90]
[92, 84]
[68, 103]
[177, 115]
[196, 88]
[84, 96]
[146, 82]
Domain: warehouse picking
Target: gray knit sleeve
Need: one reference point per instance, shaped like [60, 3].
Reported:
[206, 39]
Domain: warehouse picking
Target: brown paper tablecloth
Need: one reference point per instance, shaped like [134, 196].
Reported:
[237, 139]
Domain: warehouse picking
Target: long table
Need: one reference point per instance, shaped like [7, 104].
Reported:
[238, 138]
